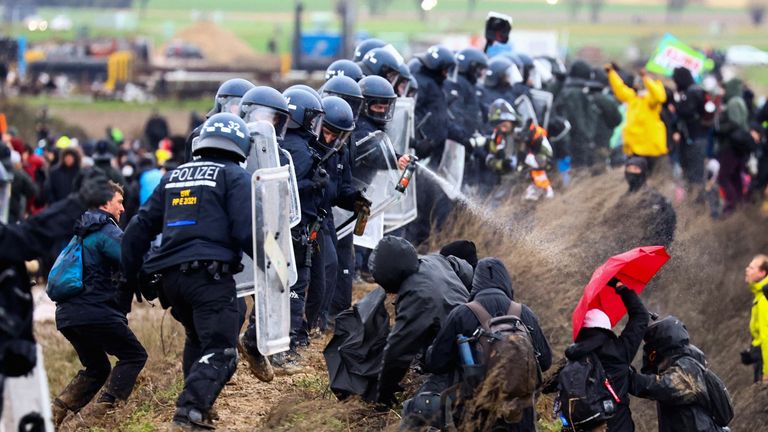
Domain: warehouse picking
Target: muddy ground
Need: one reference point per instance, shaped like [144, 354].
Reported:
[551, 250]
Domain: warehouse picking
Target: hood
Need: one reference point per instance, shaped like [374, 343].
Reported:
[464, 249]
[666, 335]
[683, 78]
[581, 70]
[589, 340]
[392, 261]
[733, 88]
[75, 154]
[462, 269]
[491, 273]
[91, 221]
[757, 287]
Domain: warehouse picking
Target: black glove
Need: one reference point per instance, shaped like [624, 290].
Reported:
[751, 356]
[361, 201]
[320, 179]
[617, 285]
[131, 285]
[386, 397]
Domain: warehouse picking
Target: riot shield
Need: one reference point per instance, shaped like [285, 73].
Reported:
[524, 107]
[451, 169]
[375, 172]
[295, 203]
[542, 105]
[274, 269]
[400, 130]
[264, 149]
[5, 193]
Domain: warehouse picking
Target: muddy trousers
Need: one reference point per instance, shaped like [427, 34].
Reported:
[207, 307]
[93, 343]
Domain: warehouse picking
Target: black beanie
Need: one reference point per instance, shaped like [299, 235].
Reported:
[463, 249]
[580, 69]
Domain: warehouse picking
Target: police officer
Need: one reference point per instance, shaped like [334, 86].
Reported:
[382, 62]
[497, 84]
[344, 67]
[464, 96]
[347, 89]
[306, 118]
[227, 99]
[338, 124]
[262, 103]
[203, 212]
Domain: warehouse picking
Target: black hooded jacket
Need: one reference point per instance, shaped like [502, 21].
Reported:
[59, 183]
[689, 105]
[616, 354]
[427, 289]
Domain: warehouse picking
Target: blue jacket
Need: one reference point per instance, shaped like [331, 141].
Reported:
[203, 210]
[101, 302]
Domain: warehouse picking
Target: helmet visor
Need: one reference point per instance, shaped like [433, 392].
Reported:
[382, 109]
[313, 121]
[513, 75]
[401, 85]
[334, 138]
[356, 103]
[229, 104]
[253, 113]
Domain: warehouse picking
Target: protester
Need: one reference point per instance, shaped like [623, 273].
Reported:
[492, 290]
[427, 289]
[644, 133]
[95, 321]
[675, 375]
[59, 182]
[735, 144]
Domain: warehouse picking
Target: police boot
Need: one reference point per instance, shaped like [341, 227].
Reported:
[190, 419]
[287, 363]
[104, 405]
[258, 364]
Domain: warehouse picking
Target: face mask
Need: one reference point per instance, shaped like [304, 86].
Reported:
[635, 181]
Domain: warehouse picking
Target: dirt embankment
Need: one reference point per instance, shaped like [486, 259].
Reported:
[551, 250]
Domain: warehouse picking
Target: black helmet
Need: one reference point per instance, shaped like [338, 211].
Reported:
[438, 58]
[496, 74]
[363, 47]
[306, 111]
[379, 97]
[347, 89]
[381, 62]
[346, 68]
[339, 120]
[264, 103]
[307, 89]
[501, 110]
[228, 96]
[225, 131]
[471, 63]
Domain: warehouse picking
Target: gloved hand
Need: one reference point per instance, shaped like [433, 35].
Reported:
[477, 140]
[130, 285]
[361, 201]
[386, 397]
[751, 356]
[320, 179]
[617, 285]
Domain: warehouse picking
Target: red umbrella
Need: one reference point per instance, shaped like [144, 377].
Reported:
[634, 269]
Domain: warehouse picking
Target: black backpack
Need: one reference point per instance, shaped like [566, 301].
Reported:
[586, 397]
[718, 399]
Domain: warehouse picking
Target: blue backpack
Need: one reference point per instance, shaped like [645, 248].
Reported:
[66, 277]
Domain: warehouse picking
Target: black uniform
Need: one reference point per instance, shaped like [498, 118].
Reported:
[492, 288]
[204, 213]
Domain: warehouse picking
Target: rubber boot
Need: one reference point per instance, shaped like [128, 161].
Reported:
[74, 397]
[258, 364]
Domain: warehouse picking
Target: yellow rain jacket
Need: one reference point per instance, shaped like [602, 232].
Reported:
[758, 322]
[644, 132]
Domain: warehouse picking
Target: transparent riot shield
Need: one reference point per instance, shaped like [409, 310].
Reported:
[5, 194]
[524, 107]
[375, 172]
[542, 105]
[264, 148]
[451, 169]
[401, 131]
[295, 203]
[273, 258]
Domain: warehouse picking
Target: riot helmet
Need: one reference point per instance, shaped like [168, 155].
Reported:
[381, 62]
[346, 68]
[404, 80]
[229, 94]
[227, 132]
[307, 89]
[305, 110]
[438, 59]
[380, 98]
[338, 123]
[526, 66]
[347, 89]
[265, 104]
[471, 63]
[496, 74]
[515, 70]
[363, 47]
